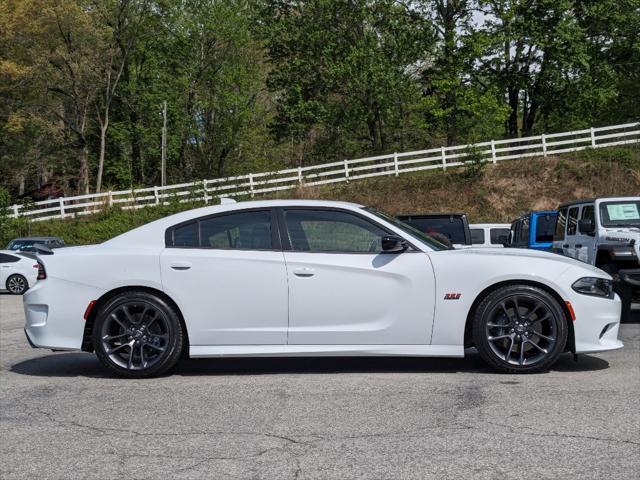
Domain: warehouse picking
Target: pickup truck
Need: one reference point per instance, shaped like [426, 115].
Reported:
[454, 227]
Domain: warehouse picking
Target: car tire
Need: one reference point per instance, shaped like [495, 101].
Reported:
[138, 335]
[520, 329]
[17, 284]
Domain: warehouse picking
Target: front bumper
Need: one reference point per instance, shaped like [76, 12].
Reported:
[596, 324]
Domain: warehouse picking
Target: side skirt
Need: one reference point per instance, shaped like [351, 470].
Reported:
[201, 351]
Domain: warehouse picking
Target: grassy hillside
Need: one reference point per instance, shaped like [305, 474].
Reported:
[487, 193]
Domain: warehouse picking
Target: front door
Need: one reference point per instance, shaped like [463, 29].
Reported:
[228, 276]
[344, 290]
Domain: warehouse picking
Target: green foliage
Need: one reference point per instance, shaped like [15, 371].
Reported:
[255, 85]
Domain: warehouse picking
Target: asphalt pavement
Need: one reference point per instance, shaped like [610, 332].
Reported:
[63, 417]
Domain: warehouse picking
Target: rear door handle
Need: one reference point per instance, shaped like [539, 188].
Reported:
[180, 265]
[566, 245]
[304, 272]
[578, 245]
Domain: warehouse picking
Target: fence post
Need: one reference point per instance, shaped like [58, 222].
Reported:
[155, 194]
[251, 184]
[444, 158]
[204, 189]
[15, 209]
[544, 144]
[346, 171]
[109, 199]
[395, 163]
[61, 202]
[493, 152]
[300, 175]
[593, 137]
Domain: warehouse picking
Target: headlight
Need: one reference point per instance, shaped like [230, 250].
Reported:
[599, 287]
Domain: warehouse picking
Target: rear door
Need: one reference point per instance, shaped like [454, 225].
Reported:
[228, 275]
[7, 267]
[569, 245]
[344, 290]
[585, 246]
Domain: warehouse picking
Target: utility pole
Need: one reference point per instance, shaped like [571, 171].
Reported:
[163, 173]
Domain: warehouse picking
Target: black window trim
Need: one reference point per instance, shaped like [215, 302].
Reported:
[275, 231]
[286, 244]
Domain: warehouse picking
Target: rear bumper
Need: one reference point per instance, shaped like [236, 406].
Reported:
[54, 311]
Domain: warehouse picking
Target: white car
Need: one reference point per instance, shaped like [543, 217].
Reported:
[489, 234]
[312, 278]
[18, 272]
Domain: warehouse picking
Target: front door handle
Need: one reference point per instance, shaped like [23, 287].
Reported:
[566, 245]
[180, 265]
[304, 272]
[578, 245]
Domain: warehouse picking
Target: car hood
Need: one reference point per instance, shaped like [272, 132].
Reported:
[527, 253]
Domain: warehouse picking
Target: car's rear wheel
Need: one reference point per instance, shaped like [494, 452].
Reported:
[520, 329]
[17, 284]
[138, 335]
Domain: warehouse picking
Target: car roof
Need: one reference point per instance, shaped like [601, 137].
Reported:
[153, 229]
[489, 225]
[33, 239]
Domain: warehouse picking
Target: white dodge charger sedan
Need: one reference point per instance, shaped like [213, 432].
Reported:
[311, 278]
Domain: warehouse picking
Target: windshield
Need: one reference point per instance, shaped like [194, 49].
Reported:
[620, 214]
[431, 242]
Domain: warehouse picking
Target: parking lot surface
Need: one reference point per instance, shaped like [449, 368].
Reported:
[63, 416]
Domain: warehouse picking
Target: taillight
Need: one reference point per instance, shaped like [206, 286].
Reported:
[42, 274]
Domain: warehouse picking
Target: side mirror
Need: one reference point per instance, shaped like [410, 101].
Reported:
[586, 226]
[393, 244]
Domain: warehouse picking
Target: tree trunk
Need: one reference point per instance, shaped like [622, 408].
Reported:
[83, 174]
[103, 140]
[514, 101]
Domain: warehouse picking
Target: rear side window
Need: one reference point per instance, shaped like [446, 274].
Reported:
[238, 231]
[241, 231]
[545, 227]
[572, 221]
[4, 258]
[561, 222]
[186, 235]
[499, 236]
[477, 236]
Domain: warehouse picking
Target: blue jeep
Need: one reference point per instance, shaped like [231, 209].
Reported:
[533, 230]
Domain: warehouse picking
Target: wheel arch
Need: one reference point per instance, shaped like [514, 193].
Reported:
[468, 327]
[87, 342]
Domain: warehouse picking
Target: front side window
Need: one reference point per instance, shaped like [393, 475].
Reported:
[572, 221]
[332, 231]
[499, 236]
[477, 236]
[240, 231]
[561, 222]
[620, 214]
[545, 226]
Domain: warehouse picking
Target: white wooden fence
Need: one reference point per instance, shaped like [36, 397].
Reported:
[343, 171]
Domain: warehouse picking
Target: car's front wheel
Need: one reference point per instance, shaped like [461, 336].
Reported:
[520, 329]
[138, 335]
[17, 284]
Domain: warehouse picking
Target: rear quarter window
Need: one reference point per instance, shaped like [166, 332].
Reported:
[499, 236]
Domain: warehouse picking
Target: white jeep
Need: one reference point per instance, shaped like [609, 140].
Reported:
[604, 232]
